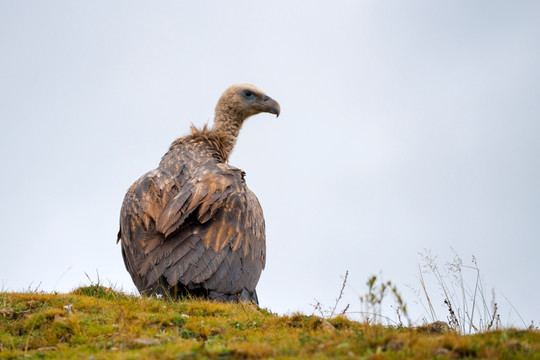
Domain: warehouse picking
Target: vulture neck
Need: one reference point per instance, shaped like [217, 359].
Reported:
[227, 125]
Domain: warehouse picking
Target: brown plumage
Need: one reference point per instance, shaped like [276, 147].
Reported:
[191, 226]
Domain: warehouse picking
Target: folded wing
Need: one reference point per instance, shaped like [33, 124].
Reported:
[205, 234]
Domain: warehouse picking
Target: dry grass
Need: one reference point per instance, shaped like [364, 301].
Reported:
[464, 295]
[95, 322]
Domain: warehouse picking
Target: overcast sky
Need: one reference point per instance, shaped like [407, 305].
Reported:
[405, 126]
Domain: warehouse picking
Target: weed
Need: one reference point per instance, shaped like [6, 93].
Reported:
[372, 301]
[331, 312]
[179, 320]
[187, 334]
[467, 306]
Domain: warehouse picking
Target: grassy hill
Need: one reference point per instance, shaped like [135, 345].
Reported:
[96, 322]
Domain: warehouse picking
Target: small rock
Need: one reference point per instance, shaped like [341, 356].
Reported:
[146, 342]
[438, 327]
[46, 348]
[326, 325]
[514, 346]
[441, 351]
[395, 344]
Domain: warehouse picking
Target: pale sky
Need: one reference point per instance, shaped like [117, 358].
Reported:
[405, 126]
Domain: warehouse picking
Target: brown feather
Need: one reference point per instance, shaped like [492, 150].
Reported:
[192, 225]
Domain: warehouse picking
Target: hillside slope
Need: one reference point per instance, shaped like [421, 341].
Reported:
[95, 322]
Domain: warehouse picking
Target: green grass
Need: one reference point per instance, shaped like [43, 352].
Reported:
[95, 322]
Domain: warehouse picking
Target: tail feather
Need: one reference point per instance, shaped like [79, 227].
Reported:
[244, 296]
[181, 291]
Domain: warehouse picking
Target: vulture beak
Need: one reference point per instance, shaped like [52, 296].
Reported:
[270, 105]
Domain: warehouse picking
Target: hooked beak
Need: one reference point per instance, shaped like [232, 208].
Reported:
[270, 105]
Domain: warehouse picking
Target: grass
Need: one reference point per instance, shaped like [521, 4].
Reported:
[96, 322]
[463, 294]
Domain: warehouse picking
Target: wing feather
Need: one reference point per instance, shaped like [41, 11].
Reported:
[199, 229]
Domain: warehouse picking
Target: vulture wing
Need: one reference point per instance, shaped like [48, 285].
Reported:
[200, 233]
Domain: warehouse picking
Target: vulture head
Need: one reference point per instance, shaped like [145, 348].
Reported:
[241, 101]
[236, 104]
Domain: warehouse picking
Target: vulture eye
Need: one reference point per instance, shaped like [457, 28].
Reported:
[248, 94]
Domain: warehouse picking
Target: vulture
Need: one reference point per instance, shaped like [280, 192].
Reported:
[192, 227]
